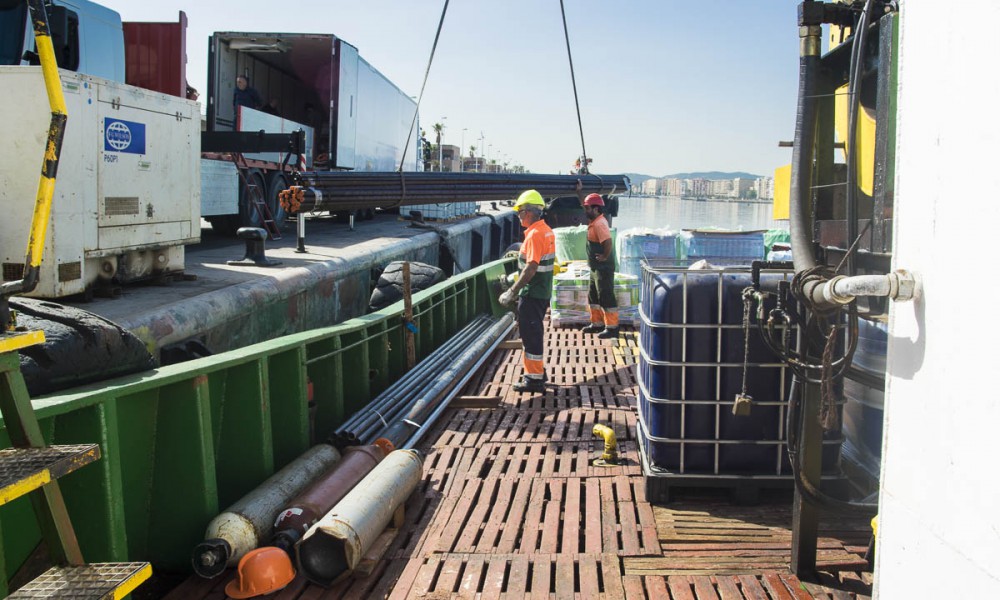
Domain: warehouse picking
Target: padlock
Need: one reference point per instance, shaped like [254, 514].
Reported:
[742, 405]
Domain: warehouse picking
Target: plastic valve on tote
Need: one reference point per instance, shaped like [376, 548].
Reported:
[260, 572]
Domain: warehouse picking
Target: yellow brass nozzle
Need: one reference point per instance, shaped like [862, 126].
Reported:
[606, 433]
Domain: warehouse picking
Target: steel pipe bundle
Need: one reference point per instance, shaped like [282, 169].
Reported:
[454, 357]
[348, 190]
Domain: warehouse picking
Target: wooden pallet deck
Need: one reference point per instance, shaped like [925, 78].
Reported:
[511, 507]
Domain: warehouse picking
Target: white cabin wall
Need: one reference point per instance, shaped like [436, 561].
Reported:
[939, 529]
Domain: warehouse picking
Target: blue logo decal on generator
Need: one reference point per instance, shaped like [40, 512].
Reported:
[124, 136]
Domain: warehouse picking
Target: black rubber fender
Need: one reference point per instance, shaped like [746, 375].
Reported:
[80, 347]
[389, 288]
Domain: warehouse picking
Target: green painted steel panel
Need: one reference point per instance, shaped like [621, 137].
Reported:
[181, 442]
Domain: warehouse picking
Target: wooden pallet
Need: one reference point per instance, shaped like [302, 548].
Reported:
[511, 507]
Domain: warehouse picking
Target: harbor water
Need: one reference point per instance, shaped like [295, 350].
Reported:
[675, 213]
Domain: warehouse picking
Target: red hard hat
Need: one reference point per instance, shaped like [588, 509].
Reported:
[593, 200]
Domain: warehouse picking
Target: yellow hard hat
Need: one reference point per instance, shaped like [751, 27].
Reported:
[529, 197]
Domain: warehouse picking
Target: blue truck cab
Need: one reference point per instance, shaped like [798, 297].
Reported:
[87, 37]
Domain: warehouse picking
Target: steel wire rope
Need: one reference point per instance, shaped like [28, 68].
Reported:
[416, 110]
[576, 98]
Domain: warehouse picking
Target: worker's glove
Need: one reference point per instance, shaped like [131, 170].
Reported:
[512, 278]
[507, 298]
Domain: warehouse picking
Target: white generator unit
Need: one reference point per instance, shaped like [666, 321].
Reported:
[128, 190]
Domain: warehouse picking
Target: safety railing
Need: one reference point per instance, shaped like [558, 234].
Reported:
[182, 442]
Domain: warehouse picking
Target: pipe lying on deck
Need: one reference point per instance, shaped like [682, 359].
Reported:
[324, 493]
[249, 521]
[398, 399]
[333, 547]
[348, 190]
[416, 418]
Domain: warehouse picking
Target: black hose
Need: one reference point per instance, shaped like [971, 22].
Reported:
[854, 99]
[811, 493]
[800, 192]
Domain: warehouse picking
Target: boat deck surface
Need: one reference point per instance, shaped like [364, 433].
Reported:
[511, 507]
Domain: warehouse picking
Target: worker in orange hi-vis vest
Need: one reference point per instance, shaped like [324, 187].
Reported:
[601, 260]
[533, 288]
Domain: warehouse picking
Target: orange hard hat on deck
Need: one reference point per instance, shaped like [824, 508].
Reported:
[260, 572]
[593, 200]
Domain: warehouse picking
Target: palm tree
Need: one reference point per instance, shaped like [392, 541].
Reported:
[438, 130]
[472, 152]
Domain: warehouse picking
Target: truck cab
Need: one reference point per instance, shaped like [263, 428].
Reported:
[87, 37]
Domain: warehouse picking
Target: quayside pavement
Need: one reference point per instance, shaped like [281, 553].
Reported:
[510, 506]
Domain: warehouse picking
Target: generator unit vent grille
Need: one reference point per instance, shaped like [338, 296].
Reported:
[70, 271]
[13, 271]
[117, 206]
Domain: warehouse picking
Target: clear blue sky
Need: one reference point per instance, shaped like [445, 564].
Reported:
[665, 85]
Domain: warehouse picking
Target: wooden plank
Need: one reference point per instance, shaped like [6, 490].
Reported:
[532, 518]
[588, 575]
[633, 586]
[550, 527]
[728, 587]
[517, 585]
[593, 529]
[703, 588]
[541, 578]
[565, 578]
[447, 580]
[657, 587]
[794, 586]
[571, 518]
[493, 583]
[613, 589]
[475, 402]
[752, 588]
[515, 519]
[468, 587]
[775, 587]
[466, 542]
[680, 587]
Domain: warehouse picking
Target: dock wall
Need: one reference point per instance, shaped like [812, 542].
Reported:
[296, 299]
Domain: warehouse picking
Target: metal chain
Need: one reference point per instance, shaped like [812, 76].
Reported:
[748, 294]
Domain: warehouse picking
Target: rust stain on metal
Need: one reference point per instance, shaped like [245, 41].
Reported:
[199, 381]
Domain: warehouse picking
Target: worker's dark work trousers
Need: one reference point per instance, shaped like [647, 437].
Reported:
[530, 317]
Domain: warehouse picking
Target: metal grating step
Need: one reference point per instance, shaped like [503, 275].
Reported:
[98, 581]
[23, 470]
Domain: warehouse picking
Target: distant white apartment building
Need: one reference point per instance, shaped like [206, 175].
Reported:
[764, 186]
[743, 187]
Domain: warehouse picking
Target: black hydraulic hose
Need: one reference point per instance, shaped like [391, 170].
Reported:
[857, 69]
[806, 116]
[811, 493]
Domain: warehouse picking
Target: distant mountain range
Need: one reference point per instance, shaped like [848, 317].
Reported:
[638, 178]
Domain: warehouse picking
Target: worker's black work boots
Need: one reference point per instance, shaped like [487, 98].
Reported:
[609, 333]
[530, 385]
[593, 328]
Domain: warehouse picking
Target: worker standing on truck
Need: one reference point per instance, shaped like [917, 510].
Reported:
[601, 260]
[533, 288]
[244, 95]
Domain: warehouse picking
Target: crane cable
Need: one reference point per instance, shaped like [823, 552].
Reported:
[576, 98]
[427, 73]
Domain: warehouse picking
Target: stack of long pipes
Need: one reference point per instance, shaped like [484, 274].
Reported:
[348, 190]
[312, 485]
[402, 409]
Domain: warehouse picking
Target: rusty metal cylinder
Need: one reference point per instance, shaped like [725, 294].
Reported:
[323, 494]
[247, 523]
[333, 547]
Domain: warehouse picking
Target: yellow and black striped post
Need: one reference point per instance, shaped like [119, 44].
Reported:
[50, 163]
